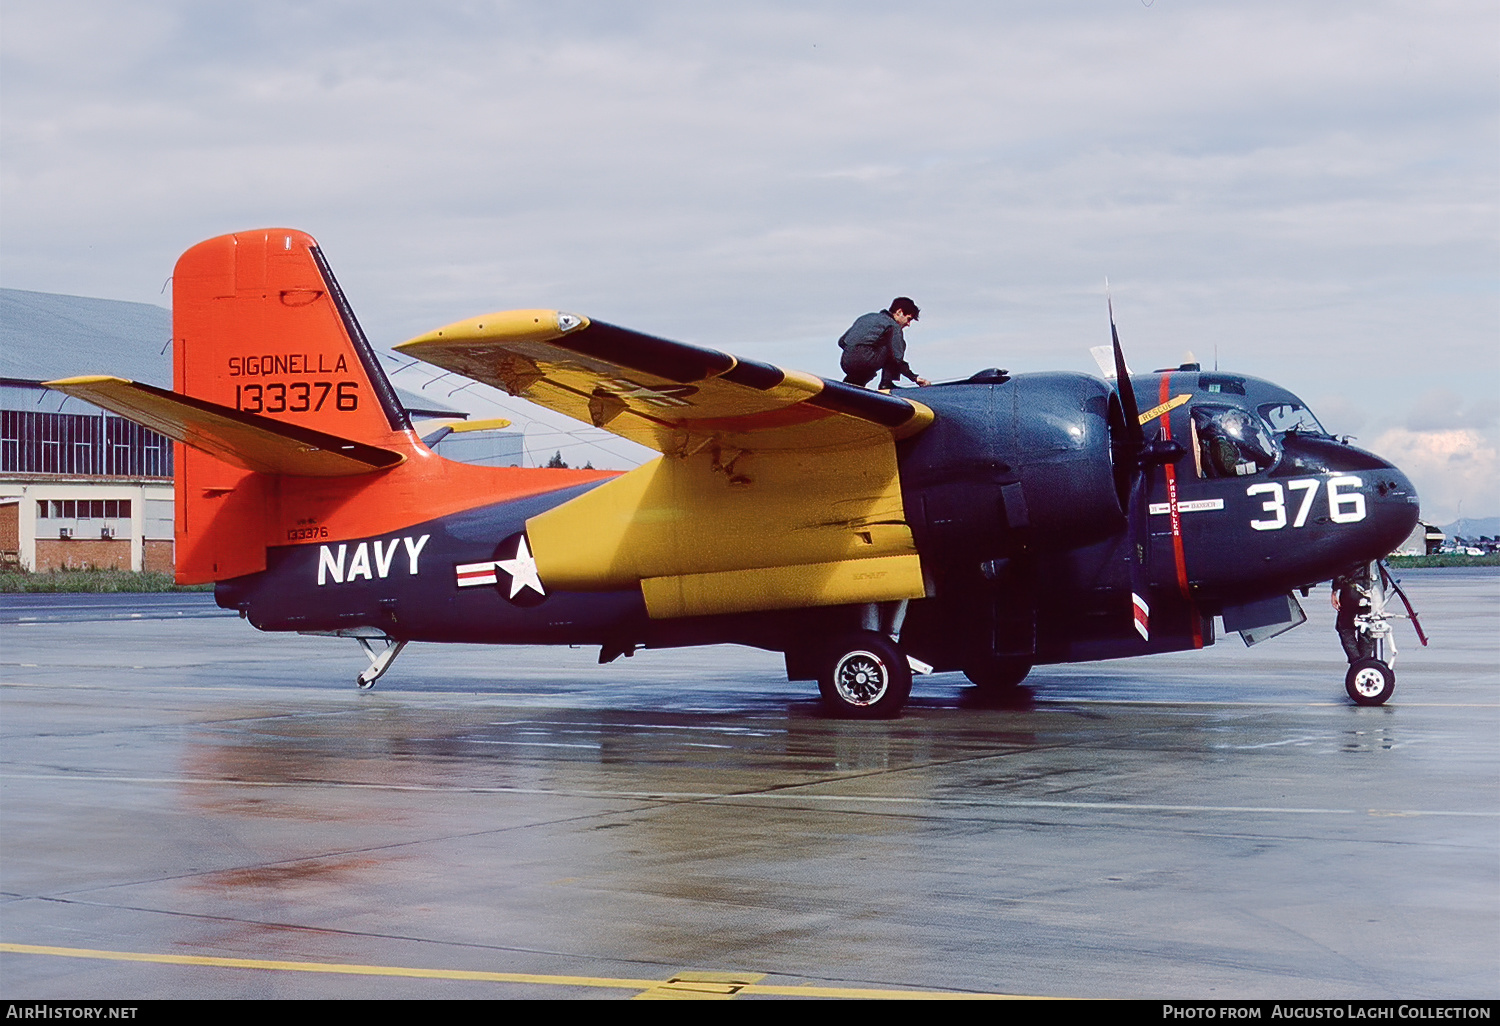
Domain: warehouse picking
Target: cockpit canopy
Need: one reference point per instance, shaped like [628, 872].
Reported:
[1233, 442]
[1292, 418]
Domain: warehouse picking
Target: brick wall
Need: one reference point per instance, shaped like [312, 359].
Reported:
[157, 556]
[10, 527]
[10, 536]
[78, 553]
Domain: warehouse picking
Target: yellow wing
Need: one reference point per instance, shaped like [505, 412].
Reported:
[669, 396]
[775, 489]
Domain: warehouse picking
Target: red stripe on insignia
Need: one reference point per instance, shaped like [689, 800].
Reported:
[472, 574]
[1142, 616]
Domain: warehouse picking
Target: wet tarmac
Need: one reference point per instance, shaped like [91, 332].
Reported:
[189, 808]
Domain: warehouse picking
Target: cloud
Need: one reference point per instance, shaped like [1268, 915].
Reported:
[1307, 192]
[1441, 409]
[1448, 467]
[1341, 414]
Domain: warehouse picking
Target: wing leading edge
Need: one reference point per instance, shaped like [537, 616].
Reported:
[668, 396]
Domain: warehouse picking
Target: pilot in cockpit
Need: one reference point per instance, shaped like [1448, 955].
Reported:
[1232, 442]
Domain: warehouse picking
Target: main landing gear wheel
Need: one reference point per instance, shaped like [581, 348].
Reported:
[997, 684]
[1370, 682]
[864, 676]
[998, 674]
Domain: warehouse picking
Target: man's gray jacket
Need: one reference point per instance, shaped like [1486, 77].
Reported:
[875, 342]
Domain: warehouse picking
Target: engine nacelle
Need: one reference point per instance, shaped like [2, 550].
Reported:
[1025, 461]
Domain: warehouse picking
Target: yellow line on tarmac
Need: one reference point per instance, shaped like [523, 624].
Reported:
[332, 967]
[870, 994]
[347, 969]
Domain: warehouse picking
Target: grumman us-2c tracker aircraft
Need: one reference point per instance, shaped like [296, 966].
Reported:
[984, 525]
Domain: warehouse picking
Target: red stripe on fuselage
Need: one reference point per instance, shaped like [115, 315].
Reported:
[1175, 515]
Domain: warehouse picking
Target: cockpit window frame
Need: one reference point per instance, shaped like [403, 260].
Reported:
[1295, 404]
[1269, 441]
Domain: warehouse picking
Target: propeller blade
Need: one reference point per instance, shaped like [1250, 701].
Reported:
[1137, 513]
[1133, 432]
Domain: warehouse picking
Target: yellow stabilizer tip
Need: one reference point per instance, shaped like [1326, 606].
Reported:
[493, 424]
[85, 379]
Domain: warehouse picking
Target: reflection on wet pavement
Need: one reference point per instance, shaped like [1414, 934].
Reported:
[1216, 823]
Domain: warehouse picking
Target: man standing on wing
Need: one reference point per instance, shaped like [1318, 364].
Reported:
[875, 343]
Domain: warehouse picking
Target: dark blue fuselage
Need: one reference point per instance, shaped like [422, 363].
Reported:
[1025, 512]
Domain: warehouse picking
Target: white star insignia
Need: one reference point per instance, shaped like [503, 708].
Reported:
[522, 570]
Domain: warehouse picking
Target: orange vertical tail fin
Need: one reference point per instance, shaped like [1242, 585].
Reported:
[260, 325]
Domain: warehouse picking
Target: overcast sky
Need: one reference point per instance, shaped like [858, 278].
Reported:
[1309, 192]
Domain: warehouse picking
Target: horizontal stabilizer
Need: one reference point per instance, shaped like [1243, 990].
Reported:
[245, 440]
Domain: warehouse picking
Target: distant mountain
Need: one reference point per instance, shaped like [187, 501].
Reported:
[1472, 527]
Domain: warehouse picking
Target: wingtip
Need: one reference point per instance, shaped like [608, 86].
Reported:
[503, 325]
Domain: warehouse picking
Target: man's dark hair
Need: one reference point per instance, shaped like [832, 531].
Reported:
[903, 305]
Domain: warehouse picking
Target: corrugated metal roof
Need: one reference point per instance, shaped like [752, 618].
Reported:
[45, 336]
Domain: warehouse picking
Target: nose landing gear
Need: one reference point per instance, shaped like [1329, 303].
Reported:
[1370, 682]
[1371, 679]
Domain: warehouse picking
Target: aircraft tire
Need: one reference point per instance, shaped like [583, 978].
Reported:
[1370, 682]
[864, 675]
[998, 674]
